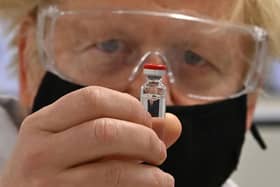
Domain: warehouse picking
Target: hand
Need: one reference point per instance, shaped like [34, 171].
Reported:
[91, 137]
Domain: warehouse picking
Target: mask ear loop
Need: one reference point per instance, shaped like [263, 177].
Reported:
[257, 136]
[261, 49]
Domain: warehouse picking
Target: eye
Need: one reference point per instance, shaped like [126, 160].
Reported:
[110, 46]
[192, 58]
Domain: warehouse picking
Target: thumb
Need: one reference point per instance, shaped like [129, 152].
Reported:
[168, 129]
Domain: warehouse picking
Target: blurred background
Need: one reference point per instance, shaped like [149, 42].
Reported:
[8, 74]
[257, 168]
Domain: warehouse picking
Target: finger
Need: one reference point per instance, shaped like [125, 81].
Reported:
[117, 173]
[88, 104]
[168, 129]
[103, 138]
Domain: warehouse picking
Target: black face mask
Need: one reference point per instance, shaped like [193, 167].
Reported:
[208, 150]
[210, 144]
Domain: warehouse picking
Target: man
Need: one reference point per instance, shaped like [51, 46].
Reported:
[88, 127]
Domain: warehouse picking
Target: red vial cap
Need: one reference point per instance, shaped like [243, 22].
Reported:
[155, 66]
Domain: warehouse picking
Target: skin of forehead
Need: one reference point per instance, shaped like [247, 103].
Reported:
[210, 8]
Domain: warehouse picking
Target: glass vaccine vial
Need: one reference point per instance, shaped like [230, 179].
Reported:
[153, 91]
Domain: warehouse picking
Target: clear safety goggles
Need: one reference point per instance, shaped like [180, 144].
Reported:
[205, 59]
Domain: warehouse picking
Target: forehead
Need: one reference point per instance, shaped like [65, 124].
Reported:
[210, 8]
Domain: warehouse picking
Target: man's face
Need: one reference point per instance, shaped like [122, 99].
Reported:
[214, 9]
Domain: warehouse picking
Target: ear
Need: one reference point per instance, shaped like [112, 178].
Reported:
[23, 83]
[251, 106]
[29, 70]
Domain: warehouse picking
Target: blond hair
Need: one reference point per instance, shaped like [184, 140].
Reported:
[264, 13]
[14, 10]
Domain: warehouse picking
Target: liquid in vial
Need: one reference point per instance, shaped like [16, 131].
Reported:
[154, 104]
[153, 91]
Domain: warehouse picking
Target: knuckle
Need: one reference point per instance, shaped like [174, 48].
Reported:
[157, 178]
[170, 181]
[43, 182]
[161, 179]
[26, 122]
[105, 131]
[114, 174]
[32, 159]
[91, 95]
[34, 168]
